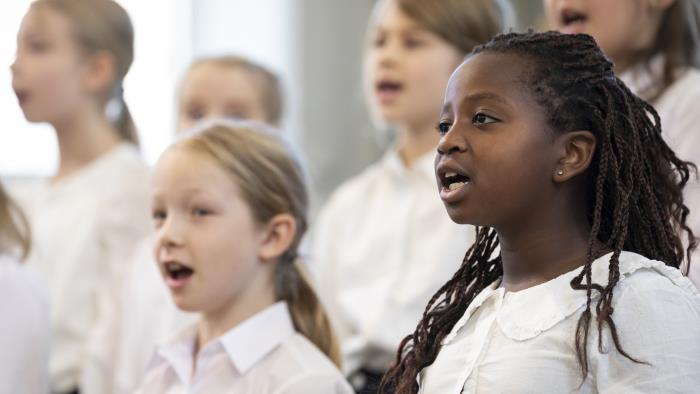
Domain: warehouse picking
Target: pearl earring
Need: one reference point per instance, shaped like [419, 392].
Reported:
[560, 172]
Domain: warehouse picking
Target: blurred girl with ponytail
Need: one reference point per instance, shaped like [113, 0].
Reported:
[229, 207]
[72, 57]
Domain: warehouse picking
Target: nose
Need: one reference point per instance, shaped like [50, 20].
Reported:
[386, 53]
[452, 142]
[170, 234]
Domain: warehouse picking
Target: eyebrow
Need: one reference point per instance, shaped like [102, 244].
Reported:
[480, 96]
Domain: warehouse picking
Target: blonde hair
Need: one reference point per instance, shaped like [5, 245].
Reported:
[268, 83]
[103, 25]
[678, 40]
[272, 182]
[14, 228]
[464, 24]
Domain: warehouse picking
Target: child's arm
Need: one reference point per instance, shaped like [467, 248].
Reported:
[658, 322]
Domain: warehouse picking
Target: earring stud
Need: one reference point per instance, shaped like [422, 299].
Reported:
[560, 172]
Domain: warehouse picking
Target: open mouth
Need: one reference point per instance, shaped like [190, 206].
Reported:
[21, 96]
[177, 274]
[388, 90]
[571, 17]
[452, 181]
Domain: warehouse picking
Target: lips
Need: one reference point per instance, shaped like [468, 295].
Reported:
[177, 274]
[572, 21]
[22, 96]
[453, 181]
[388, 90]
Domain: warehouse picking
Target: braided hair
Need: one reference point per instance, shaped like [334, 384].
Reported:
[634, 192]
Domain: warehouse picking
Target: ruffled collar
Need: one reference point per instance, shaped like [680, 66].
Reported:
[555, 300]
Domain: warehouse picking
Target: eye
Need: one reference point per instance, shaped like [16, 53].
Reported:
[443, 127]
[200, 212]
[195, 113]
[158, 216]
[413, 43]
[481, 118]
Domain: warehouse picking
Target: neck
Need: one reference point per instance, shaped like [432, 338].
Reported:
[81, 139]
[414, 141]
[215, 323]
[545, 245]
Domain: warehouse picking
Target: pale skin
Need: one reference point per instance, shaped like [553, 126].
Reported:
[57, 83]
[622, 28]
[196, 207]
[403, 52]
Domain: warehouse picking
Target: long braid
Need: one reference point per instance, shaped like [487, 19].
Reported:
[635, 200]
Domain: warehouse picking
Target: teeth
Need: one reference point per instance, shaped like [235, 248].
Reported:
[450, 174]
[456, 185]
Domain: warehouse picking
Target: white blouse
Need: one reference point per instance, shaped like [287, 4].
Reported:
[262, 355]
[679, 109]
[84, 230]
[25, 330]
[523, 342]
[383, 245]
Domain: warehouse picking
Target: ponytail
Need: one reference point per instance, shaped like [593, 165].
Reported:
[292, 285]
[118, 113]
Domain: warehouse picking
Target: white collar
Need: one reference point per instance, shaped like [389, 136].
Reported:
[555, 300]
[246, 344]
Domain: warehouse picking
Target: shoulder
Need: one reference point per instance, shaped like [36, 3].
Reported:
[356, 189]
[650, 282]
[302, 368]
[683, 92]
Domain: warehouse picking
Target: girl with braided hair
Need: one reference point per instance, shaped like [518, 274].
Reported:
[573, 282]
[655, 46]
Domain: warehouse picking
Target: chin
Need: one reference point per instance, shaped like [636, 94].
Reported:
[461, 217]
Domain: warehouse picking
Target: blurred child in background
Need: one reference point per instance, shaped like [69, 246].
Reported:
[72, 57]
[655, 46]
[383, 243]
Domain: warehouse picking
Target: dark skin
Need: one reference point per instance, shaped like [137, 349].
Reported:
[525, 180]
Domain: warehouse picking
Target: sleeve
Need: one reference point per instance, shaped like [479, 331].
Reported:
[658, 323]
[324, 260]
[330, 383]
[123, 225]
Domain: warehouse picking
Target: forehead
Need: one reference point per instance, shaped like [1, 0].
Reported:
[43, 20]
[181, 169]
[389, 16]
[504, 75]
[233, 81]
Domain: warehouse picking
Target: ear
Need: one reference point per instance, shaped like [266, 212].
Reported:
[101, 72]
[576, 151]
[277, 236]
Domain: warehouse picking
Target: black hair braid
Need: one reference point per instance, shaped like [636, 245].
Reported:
[635, 193]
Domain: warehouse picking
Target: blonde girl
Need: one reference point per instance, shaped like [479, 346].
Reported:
[72, 57]
[25, 333]
[229, 209]
[383, 242]
[213, 87]
[232, 87]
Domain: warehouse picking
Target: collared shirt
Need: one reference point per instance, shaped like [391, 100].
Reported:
[261, 355]
[383, 245]
[523, 342]
[25, 330]
[148, 317]
[680, 124]
[84, 229]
